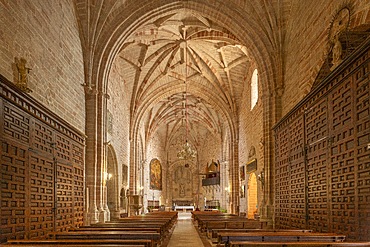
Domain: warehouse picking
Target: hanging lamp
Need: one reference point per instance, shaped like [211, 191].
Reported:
[186, 152]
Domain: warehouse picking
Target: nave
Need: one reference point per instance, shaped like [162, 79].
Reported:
[112, 109]
[185, 233]
[182, 229]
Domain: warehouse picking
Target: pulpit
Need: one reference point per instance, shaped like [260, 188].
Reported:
[135, 203]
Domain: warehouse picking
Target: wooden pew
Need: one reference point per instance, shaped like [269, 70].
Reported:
[198, 216]
[163, 230]
[298, 244]
[210, 220]
[209, 214]
[71, 245]
[166, 222]
[161, 222]
[80, 242]
[225, 238]
[101, 235]
[146, 229]
[151, 228]
[235, 223]
[126, 229]
[214, 232]
[172, 216]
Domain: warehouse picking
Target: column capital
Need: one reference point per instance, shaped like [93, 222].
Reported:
[89, 90]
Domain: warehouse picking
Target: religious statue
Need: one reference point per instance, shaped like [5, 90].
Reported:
[337, 52]
[23, 72]
[182, 190]
[338, 27]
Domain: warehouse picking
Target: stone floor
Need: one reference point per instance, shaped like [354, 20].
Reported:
[185, 234]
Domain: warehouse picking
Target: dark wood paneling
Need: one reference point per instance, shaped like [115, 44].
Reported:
[15, 194]
[334, 184]
[297, 174]
[361, 82]
[282, 174]
[42, 171]
[317, 136]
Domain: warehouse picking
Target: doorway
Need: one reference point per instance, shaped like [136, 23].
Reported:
[252, 196]
[112, 183]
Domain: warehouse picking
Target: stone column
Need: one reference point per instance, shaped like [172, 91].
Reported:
[104, 214]
[92, 215]
[133, 177]
[234, 173]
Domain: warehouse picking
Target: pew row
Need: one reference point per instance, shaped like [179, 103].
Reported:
[298, 244]
[79, 243]
[140, 228]
[206, 226]
[154, 237]
[163, 230]
[144, 230]
[214, 233]
[225, 238]
[72, 245]
[196, 215]
[207, 221]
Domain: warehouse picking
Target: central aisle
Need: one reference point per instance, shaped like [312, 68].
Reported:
[184, 233]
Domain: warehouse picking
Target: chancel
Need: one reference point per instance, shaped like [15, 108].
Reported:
[185, 123]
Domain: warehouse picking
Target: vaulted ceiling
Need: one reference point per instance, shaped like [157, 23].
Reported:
[184, 69]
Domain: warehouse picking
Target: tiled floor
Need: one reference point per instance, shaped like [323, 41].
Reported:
[184, 234]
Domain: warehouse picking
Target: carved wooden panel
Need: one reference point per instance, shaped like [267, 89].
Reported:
[14, 192]
[336, 157]
[63, 148]
[78, 194]
[42, 172]
[16, 125]
[297, 173]
[43, 138]
[317, 171]
[282, 174]
[361, 80]
[64, 192]
[41, 201]
[342, 160]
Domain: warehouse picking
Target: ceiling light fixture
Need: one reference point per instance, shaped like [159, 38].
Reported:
[186, 152]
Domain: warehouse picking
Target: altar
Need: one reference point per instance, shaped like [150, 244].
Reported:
[184, 208]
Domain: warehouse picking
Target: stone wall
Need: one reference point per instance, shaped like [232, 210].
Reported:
[119, 116]
[45, 33]
[306, 45]
[251, 136]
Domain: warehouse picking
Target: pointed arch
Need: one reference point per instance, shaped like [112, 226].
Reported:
[252, 196]
[112, 177]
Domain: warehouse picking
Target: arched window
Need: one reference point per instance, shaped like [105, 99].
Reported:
[254, 88]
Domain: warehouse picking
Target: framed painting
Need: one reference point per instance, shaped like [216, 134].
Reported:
[242, 173]
[155, 175]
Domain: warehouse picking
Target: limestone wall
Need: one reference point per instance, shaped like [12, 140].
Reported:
[45, 33]
[251, 137]
[306, 45]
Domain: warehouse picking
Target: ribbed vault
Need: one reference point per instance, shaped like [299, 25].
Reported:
[191, 53]
[184, 63]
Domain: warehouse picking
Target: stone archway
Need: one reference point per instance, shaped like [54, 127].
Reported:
[112, 183]
[252, 196]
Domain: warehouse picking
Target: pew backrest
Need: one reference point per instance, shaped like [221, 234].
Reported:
[298, 244]
[227, 237]
[81, 242]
